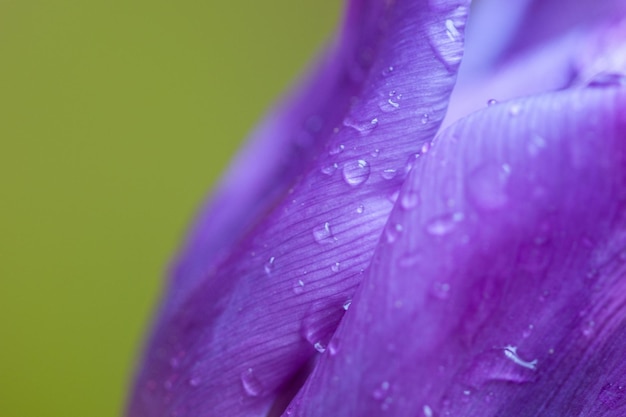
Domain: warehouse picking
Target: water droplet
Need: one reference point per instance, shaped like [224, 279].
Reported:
[346, 305]
[392, 103]
[607, 79]
[330, 169]
[486, 186]
[491, 102]
[452, 31]
[335, 267]
[387, 71]
[363, 127]
[323, 234]
[356, 172]
[375, 153]
[360, 209]
[425, 148]
[409, 199]
[388, 174]
[195, 381]
[319, 347]
[336, 149]
[425, 118]
[443, 225]
[428, 412]
[514, 110]
[269, 266]
[251, 384]
[298, 287]
[511, 353]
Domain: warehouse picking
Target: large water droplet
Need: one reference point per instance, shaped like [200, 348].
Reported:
[269, 266]
[486, 186]
[251, 384]
[323, 234]
[442, 225]
[356, 172]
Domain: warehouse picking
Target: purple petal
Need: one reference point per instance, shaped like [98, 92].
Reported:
[503, 292]
[576, 58]
[239, 323]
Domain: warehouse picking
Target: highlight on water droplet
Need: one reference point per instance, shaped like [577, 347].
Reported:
[364, 127]
[269, 265]
[250, 383]
[323, 234]
[388, 174]
[319, 347]
[511, 353]
[346, 305]
[298, 287]
[360, 209]
[335, 267]
[356, 172]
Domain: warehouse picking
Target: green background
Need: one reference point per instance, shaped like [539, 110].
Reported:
[116, 118]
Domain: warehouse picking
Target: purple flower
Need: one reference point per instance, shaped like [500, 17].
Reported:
[364, 257]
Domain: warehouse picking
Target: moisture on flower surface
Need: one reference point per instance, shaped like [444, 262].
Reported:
[424, 227]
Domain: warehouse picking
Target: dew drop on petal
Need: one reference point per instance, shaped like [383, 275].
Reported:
[329, 169]
[346, 305]
[251, 384]
[364, 127]
[491, 102]
[409, 199]
[356, 172]
[335, 267]
[323, 234]
[336, 149]
[511, 353]
[360, 209]
[425, 118]
[319, 347]
[388, 174]
[269, 266]
[298, 287]
[333, 346]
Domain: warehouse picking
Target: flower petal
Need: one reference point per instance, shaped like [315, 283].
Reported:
[504, 292]
[247, 320]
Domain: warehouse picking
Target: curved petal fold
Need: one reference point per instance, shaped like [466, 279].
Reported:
[239, 321]
[499, 285]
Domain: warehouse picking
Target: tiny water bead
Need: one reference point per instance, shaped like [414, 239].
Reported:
[428, 412]
[380, 392]
[330, 169]
[346, 305]
[360, 209]
[356, 172]
[298, 287]
[323, 234]
[335, 267]
[250, 383]
[492, 102]
[425, 118]
[336, 149]
[269, 266]
[388, 174]
[319, 347]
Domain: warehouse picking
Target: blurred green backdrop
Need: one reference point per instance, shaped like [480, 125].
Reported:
[116, 118]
